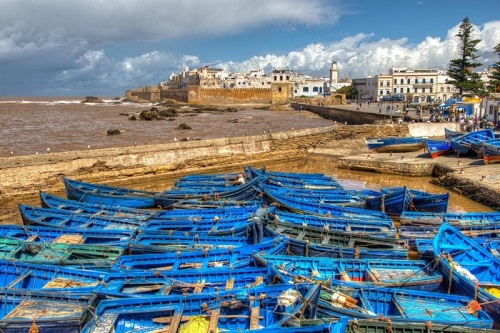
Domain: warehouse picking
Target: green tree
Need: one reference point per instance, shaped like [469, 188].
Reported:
[494, 84]
[461, 70]
[349, 91]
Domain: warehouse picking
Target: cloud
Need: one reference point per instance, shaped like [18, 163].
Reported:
[359, 56]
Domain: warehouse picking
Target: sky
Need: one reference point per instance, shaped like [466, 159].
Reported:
[104, 47]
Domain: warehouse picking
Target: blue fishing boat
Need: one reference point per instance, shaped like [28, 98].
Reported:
[118, 237]
[356, 273]
[464, 144]
[411, 233]
[154, 242]
[180, 282]
[56, 279]
[383, 325]
[311, 242]
[290, 175]
[306, 207]
[403, 306]
[240, 192]
[199, 214]
[82, 207]
[240, 310]
[455, 219]
[469, 269]
[60, 254]
[422, 201]
[451, 134]
[58, 218]
[438, 147]
[229, 226]
[375, 227]
[108, 195]
[336, 197]
[44, 312]
[395, 144]
[491, 151]
[230, 257]
[392, 201]
[203, 204]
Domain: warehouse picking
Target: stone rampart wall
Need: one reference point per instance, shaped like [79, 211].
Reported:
[247, 95]
[21, 175]
[344, 116]
[180, 95]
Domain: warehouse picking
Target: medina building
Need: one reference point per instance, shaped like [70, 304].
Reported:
[416, 85]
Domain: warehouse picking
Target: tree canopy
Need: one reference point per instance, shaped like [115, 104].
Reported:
[349, 91]
[494, 84]
[461, 70]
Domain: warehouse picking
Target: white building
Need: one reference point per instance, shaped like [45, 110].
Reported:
[490, 108]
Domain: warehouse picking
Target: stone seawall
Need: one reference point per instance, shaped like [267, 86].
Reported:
[25, 175]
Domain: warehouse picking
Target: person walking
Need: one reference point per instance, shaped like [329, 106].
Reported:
[259, 220]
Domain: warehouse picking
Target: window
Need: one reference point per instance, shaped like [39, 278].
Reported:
[281, 77]
[415, 90]
[395, 90]
[288, 78]
[401, 90]
[423, 90]
[408, 90]
[432, 80]
[408, 81]
[442, 89]
[401, 81]
[381, 92]
[395, 81]
[430, 89]
[315, 89]
[381, 83]
[416, 80]
[305, 89]
[275, 78]
[423, 80]
[279, 89]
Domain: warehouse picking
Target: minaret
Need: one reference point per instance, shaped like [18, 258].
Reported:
[334, 73]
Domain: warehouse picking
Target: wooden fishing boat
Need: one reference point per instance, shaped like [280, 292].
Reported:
[404, 306]
[336, 197]
[491, 151]
[356, 273]
[154, 242]
[234, 226]
[82, 207]
[455, 219]
[422, 201]
[305, 207]
[180, 282]
[118, 237]
[411, 233]
[392, 201]
[45, 312]
[199, 214]
[317, 242]
[450, 134]
[464, 144]
[58, 218]
[232, 257]
[56, 279]
[72, 255]
[203, 204]
[241, 192]
[469, 269]
[240, 310]
[438, 147]
[291, 175]
[383, 325]
[377, 227]
[395, 144]
[108, 195]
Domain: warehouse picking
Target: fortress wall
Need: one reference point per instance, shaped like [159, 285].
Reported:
[22, 175]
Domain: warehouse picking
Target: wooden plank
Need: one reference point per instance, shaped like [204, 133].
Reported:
[229, 284]
[254, 317]
[176, 320]
[32, 238]
[167, 290]
[301, 235]
[214, 321]
[69, 239]
[199, 287]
